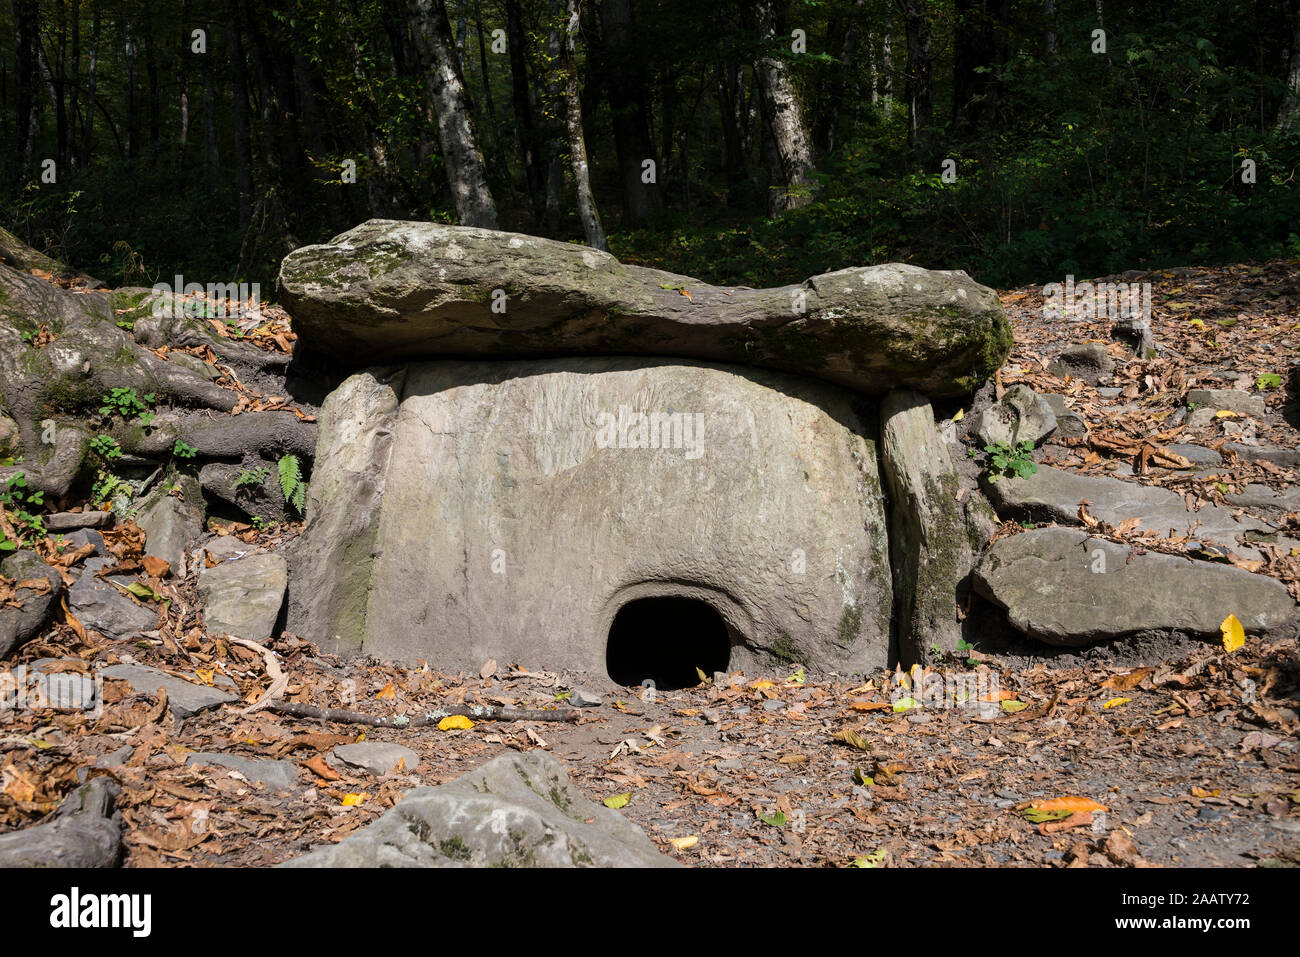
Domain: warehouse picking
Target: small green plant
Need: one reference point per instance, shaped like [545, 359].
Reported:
[18, 504]
[108, 487]
[183, 451]
[29, 337]
[106, 447]
[291, 483]
[1268, 380]
[259, 523]
[1006, 461]
[251, 477]
[964, 645]
[124, 401]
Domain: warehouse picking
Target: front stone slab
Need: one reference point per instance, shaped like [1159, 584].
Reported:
[509, 510]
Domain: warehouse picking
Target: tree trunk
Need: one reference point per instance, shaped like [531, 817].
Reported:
[88, 131]
[74, 90]
[730, 99]
[525, 129]
[243, 147]
[211, 151]
[1288, 114]
[625, 79]
[587, 211]
[26, 77]
[132, 94]
[784, 118]
[918, 88]
[466, 171]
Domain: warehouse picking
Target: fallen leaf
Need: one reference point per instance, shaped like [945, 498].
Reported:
[1071, 803]
[456, 722]
[852, 739]
[1234, 636]
[684, 843]
[1116, 702]
[489, 669]
[874, 859]
[155, 567]
[618, 800]
[389, 693]
[352, 800]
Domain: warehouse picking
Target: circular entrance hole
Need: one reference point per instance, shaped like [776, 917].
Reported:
[665, 640]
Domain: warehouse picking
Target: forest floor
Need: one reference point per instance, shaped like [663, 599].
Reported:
[1126, 755]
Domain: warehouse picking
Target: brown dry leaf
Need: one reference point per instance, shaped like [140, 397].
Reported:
[317, 766]
[1127, 681]
[1119, 847]
[488, 670]
[870, 705]
[155, 567]
[852, 739]
[1077, 819]
[388, 693]
[1069, 803]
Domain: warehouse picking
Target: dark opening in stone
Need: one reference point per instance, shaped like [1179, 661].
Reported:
[665, 640]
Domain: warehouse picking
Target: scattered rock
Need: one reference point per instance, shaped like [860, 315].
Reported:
[1109, 392]
[1136, 332]
[1281, 457]
[170, 524]
[227, 547]
[243, 598]
[1233, 400]
[280, 775]
[1053, 495]
[185, 697]
[71, 521]
[400, 292]
[517, 810]
[1196, 454]
[19, 625]
[86, 832]
[237, 485]
[1089, 362]
[1069, 424]
[930, 543]
[1262, 498]
[377, 757]
[1064, 587]
[1021, 416]
[103, 608]
[585, 699]
[10, 440]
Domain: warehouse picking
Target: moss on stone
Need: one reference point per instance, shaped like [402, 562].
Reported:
[784, 649]
[850, 627]
[454, 847]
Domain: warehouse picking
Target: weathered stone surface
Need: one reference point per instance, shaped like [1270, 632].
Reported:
[72, 521]
[279, 775]
[1069, 424]
[1233, 400]
[171, 523]
[517, 810]
[243, 597]
[86, 832]
[19, 625]
[376, 757]
[395, 291]
[1066, 588]
[1196, 454]
[237, 484]
[485, 484]
[10, 440]
[1262, 498]
[1021, 416]
[930, 545]
[1089, 362]
[1053, 495]
[184, 697]
[102, 608]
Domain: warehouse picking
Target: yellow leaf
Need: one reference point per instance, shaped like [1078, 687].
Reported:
[1070, 803]
[1234, 636]
[762, 683]
[205, 675]
[618, 800]
[684, 843]
[794, 759]
[1013, 706]
[874, 859]
[457, 722]
[1225, 414]
[904, 704]
[352, 800]
[1116, 702]
[852, 739]
[389, 692]
[1198, 323]
[961, 414]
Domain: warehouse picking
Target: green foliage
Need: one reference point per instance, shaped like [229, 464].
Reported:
[291, 483]
[1007, 461]
[18, 504]
[965, 646]
[108, 488]
[106, 447]
[124, 401]
[181, 450]
[251, 477]
[1268, 380]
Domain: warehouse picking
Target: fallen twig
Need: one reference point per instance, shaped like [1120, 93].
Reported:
[477, 712]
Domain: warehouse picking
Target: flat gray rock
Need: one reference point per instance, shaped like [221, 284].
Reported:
[1089, 362]
[171, 523]
[401, 292]
[102, 608]
[1233, 400]
[1069, 424]
[275, 774]
[517, 810]
[20, 625]
[1064, 587]
[184, 697]
[243, 597]
[86, 831]
[71, 521]
[1021, 416]
[376, 757]
[1196, 454]
[1053, 495]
